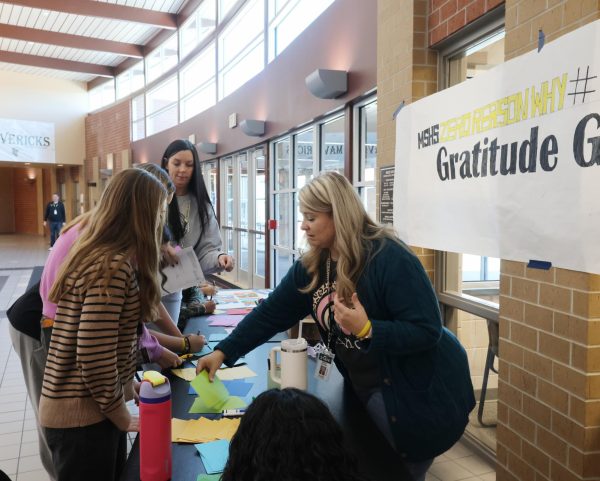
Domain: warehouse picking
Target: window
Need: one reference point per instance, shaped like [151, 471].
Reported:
[288, 19]
[197, 84]
[138, 118]
[198, 27]
[474, 277]
[332, 145]
[161, 106]
[102, 95]
[295, 161]
[468, 287]
[210, 174]
[162, 59]
[225, 7]
[364, 172]
[241, 48]
[130, 80]
[243, 216]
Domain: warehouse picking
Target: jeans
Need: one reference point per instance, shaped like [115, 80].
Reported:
[376, 409]
[172, 303]
[54, 231]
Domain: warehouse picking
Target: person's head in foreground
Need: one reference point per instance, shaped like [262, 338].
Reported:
[289, 435]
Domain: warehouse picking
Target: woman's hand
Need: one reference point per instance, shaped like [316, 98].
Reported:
[169, 359]
[226, 262]
[197, 342]
[210, 363]
[209, 307]
[350, 319]
[208, 289]
[169, 254]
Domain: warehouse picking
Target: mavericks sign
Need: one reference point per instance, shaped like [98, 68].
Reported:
[26, 141]
[508, 164]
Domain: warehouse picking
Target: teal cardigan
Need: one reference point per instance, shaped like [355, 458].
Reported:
[426, 384]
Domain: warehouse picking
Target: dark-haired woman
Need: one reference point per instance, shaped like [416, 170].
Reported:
[289, 435]
[192, 217]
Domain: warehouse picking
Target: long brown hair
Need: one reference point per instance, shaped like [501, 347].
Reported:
[128, 220]
[355, 231]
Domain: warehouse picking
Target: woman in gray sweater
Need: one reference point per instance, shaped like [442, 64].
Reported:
[192, 219]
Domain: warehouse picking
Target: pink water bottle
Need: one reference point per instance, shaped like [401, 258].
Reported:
[155, 427]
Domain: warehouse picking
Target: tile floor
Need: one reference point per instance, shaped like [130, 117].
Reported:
[19, 457]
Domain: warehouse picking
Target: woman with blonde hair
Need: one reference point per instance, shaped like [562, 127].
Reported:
[105, 286]
[379, 320]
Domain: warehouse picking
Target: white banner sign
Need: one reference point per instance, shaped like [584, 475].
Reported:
[507, 164]
[26, 141]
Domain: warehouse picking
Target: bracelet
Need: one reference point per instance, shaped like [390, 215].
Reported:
[182, 344]
[186, 345]
[365, 330]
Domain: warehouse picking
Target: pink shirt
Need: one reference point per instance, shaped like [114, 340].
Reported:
[60, 250]
[57, 256]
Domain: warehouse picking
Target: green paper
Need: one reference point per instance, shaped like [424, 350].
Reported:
[233, 402]
[209, 477]
[213, 394]
[200, 408]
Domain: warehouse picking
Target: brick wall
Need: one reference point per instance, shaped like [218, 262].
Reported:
[27, 214]
[406, 71]
[107, 132]
[449, 16]
[549, 381]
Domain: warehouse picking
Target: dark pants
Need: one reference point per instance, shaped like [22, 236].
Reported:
[91, 453]
[54, 231]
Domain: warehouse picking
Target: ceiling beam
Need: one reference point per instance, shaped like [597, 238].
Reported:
[56, 64]
[71, 41]
[105, 10]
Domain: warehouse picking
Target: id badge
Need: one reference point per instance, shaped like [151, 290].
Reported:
[55, 212]
[324, 364]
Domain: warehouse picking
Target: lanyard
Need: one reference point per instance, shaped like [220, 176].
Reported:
[332, 322]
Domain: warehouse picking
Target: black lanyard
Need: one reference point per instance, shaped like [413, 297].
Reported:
[332, 323]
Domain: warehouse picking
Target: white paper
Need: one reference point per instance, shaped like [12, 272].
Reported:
[186, 274]
[450, 189]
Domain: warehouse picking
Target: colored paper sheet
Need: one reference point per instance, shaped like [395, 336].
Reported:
[212, 393]
[233, 402]
[177, 428]
[238, 312]
[229, 330]
[205, 430]
[188, 373]
[238, 372]
[224, 320]
[238, 387]
[209, 477]
[231, 305]
[205, 350]
[217, 337]
[214, 455]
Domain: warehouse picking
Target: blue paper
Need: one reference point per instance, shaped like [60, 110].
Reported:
[217, 337]
[191, 391]
[214, 455]
[205, 350]
[238, 387]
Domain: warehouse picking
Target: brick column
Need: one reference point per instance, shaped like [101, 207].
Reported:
[549, 381]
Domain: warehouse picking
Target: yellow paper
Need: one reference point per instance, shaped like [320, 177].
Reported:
[203, 430]
[188, 373]
[177, 427]
[239, 372]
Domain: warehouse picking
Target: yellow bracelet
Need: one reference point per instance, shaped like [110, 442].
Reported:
[183, 344]
[365, 330]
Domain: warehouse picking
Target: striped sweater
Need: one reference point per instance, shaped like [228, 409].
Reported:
[91, 360]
